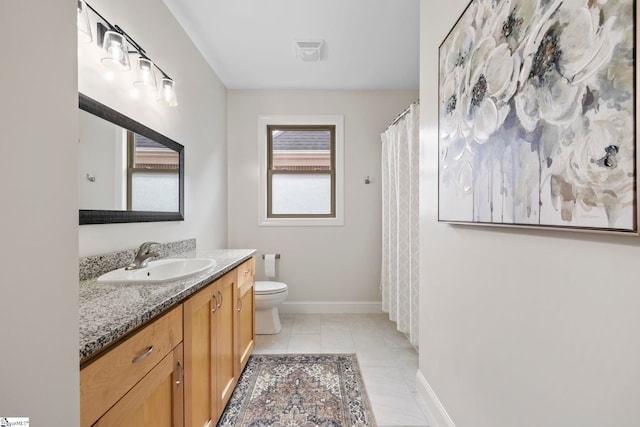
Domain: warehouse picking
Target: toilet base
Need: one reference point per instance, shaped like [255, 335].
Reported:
[268, 321]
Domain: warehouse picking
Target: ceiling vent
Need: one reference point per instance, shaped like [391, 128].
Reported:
[309, 50]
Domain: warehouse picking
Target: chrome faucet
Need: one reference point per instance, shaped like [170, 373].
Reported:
[143, 255]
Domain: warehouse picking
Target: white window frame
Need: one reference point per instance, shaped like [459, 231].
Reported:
[293, 120]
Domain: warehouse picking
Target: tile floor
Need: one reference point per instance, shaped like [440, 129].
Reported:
[387, 360]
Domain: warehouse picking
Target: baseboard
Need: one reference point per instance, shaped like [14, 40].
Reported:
[428, 396]
[340, 307]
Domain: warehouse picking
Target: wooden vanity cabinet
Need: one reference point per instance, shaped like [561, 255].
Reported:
[209, 344]
[181, 369]
[140, 381]
[245, 309]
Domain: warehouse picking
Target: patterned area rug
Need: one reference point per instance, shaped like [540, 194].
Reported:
[299, 390]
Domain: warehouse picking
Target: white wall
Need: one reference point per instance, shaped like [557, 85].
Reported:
[521, 328]
[198, 123]
[318, 263]
[38, 219]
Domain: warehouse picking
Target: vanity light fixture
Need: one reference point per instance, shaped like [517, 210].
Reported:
[117, 45]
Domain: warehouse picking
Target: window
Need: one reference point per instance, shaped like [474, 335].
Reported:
[152, 175]
[301, 166]
[301, 171]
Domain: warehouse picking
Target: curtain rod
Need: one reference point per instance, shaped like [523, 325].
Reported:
[404, 113]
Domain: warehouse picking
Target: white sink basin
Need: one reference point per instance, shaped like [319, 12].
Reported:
[162, 270]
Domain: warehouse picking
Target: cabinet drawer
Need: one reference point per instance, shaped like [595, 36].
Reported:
[110, 377]
[246, 272]
[155, 401]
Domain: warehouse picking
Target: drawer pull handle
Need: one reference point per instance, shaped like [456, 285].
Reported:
[143, 356]
[247, 271]
[220, 302]
[215, 304]
[239, 304]
[178, 382]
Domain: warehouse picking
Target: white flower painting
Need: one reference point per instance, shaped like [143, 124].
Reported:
[537, 115]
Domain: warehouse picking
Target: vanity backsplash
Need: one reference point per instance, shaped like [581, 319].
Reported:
[96, 265]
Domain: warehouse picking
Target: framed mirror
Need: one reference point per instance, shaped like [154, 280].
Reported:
[127, 172]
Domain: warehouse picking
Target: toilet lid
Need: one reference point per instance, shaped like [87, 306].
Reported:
[267, 287]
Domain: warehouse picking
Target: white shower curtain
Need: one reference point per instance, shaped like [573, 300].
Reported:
[400, 229]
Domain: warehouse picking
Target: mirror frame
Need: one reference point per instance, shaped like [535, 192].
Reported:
[90, 216]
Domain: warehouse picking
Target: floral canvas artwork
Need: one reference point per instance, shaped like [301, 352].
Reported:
[537, 115]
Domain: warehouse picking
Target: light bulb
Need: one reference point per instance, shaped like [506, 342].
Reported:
[115, 51]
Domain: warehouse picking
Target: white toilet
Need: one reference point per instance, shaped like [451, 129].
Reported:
[269, 295]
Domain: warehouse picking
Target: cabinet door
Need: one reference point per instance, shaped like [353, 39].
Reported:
[225, 341]
[244, 317]
[200, 347]
[156, 401]
[246, 324]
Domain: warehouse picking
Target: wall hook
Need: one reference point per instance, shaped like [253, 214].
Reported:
[367, 180]
[91, 178]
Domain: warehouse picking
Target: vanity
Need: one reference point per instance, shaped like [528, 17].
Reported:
[155, 350]
[165, 354]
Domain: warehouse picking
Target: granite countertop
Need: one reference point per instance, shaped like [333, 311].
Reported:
[108, 312]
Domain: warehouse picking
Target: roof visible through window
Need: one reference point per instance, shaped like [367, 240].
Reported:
[301, 149]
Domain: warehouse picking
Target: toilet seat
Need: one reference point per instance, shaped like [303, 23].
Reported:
[269, 288]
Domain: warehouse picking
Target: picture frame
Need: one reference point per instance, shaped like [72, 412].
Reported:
[536, 119]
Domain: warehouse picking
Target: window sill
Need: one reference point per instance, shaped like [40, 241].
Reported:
[301, 222]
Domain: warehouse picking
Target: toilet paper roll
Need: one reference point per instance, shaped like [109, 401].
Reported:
[270, 265]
